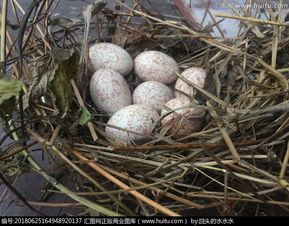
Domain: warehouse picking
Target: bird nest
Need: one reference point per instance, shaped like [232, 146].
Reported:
[236, 165]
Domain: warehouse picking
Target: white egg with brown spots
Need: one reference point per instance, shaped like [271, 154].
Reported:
[156, 66]
[181, 117]
[133, 123]
[195, 75]
[109, 91]
[108, 55]
[153, 93]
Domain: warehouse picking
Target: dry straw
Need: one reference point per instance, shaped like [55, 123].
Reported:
[237, 165]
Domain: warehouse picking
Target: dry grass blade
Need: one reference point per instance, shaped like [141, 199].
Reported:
[251, 19]
[81, 103]
[226, 137]
[237, 199]
[48, 144]
[62, 205]
[182, 146]
[170, 195]
[151, 203]
[285, 163]
[3, 15]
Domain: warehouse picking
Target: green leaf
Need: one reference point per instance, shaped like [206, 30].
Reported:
[9, 89]
[84, 116]
[60, 85]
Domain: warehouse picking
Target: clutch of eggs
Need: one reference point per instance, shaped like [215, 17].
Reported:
[132, 116]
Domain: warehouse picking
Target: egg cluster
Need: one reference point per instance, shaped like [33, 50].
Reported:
[133, 114]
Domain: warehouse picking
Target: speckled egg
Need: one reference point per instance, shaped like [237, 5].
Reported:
[153, 93]
[184, 121]
[109, 91]
[137, 118]
[108, 55]
[156, 66]
[196, 75]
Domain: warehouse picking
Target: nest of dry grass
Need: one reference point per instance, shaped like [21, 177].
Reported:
[237, 165]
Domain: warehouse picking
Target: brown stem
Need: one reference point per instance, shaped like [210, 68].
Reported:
[184, 146]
